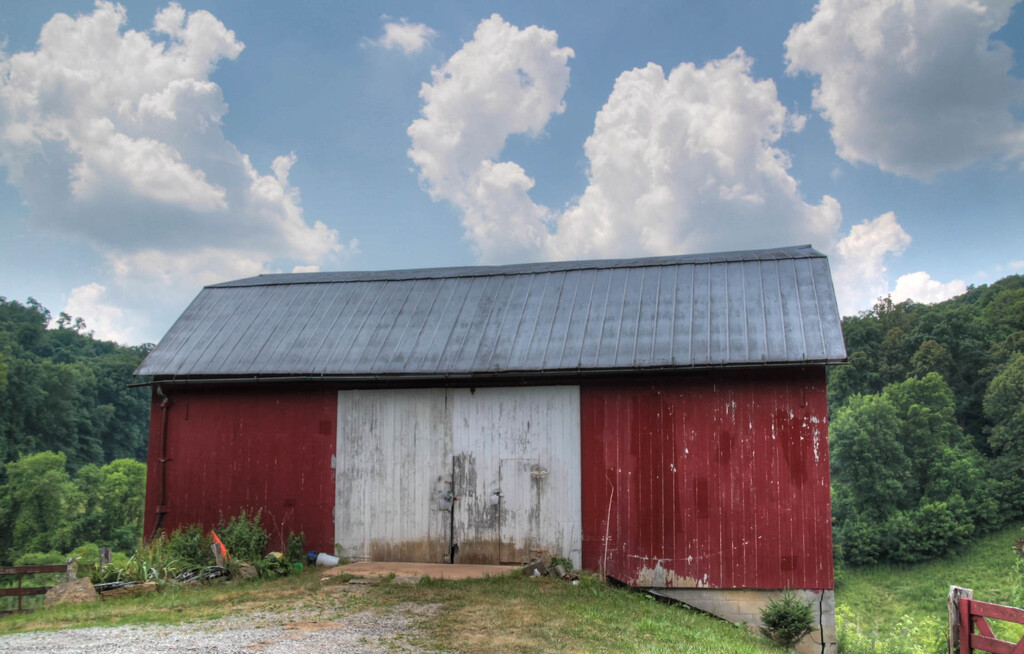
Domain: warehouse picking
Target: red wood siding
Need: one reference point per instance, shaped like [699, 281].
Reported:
[718, 480]
[247, 448]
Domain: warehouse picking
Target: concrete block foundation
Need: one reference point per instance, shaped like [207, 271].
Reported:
[744, 606]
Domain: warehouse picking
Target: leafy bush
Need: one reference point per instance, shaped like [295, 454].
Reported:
[191, 545]
[908, 485]
[787, 620]
[244, 536]
[53, 557]
[270, 566]
[562, 561]
[838, 566]
[295, 552]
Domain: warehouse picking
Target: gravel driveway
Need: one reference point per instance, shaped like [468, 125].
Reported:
[289, 631]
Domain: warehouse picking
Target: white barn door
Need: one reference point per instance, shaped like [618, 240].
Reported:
[517, 473]
[489, 475]
[393, 471]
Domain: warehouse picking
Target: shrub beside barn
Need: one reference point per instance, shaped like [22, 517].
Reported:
[661, 420]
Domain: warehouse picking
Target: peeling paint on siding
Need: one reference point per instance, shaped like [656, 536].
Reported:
[722, 483]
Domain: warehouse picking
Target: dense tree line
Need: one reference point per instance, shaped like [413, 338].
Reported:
[62, 390]
[927, 432]
[43, 508]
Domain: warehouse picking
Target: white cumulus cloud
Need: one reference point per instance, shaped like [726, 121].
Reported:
[859, 270]
[920, 287]
[114, 135]
[914, 87]
[106, 321]
[686, 161]
[402, 35]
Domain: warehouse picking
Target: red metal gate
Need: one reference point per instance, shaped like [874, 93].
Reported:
[974, 614]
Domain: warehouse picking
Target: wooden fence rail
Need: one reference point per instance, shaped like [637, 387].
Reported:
[973, 615]
[22, 591]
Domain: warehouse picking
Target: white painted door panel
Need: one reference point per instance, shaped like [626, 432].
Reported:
[511, 457]
[394, 459]
[540, 427]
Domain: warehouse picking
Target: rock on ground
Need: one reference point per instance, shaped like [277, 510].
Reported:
[76, 590]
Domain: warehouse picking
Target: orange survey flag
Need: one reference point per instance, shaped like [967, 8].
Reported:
[223, 550]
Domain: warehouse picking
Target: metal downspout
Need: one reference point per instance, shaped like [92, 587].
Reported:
[161, 508]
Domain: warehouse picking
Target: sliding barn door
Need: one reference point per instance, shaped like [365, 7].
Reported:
[393, 475]
[489, 475]
[516, 458]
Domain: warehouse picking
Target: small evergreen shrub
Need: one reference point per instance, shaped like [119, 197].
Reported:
[244, 536]
[787, 620]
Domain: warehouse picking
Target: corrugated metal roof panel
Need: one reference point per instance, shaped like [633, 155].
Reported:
[732, 308]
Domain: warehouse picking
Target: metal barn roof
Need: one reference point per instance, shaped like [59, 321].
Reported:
[735, 308]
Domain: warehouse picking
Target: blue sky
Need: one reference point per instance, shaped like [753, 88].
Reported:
[150, 148]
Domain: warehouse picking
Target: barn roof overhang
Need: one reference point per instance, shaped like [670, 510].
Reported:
[511, 377]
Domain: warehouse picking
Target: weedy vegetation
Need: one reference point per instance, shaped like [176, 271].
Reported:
[902, 609]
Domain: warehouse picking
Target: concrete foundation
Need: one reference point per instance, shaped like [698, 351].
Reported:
[744, 606]
[432, 570]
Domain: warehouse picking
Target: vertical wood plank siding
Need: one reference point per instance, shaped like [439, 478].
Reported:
[395, 458]
[247, 448]
[524, 445]
[510, 457]
[718, 480]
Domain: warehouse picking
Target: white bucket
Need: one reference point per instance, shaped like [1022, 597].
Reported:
[326, 560]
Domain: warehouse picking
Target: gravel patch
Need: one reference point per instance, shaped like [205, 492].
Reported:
[290, 631]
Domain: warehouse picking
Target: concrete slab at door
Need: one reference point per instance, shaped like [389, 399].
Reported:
[394, 461]
[540, 424]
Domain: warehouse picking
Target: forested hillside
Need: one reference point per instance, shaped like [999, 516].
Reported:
[69, 431]
[927, 433]
[62, 390]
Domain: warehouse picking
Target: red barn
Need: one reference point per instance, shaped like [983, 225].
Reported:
[660, 420]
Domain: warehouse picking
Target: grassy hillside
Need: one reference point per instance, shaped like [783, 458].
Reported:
[875, 598]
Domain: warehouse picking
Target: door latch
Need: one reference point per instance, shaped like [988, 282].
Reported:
[444, 500]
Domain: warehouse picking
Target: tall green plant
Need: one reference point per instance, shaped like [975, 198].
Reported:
[152, 561]
[191, 545]
[244, 536]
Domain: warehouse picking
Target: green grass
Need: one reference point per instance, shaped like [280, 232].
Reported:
[514, 613]
[874, 598]
[510, 613]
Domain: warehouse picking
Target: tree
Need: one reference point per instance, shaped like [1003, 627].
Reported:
[62, 390]
[1004, 408]
[35, 505]
[932, 356]
[907, 484]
